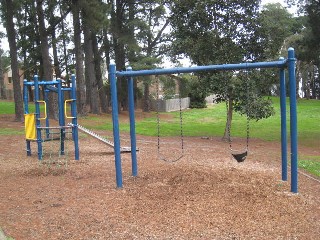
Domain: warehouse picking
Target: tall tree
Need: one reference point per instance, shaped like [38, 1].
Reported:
[307, 47]
[313, 43]
[93, 26]
[91, 82]
[29, 41]
[3, 91]
[151, 41]
[54, 41]
[216, 32]
[47, 71]
[81, 88]
[119, 33]
[11, 34]
[97, 63]
[275, 25]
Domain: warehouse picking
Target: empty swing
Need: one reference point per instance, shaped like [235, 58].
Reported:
[239, 156]
[160, 156]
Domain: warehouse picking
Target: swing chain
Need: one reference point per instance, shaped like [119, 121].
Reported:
[248, 105]
[158, 124]
[241, 156]
[180, 115]
[158, 115]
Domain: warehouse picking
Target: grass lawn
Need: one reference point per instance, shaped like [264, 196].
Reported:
[211, 122]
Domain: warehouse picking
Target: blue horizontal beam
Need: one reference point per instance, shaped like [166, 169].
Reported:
[66, 89]
[52, 89]
[239, 66]
[41, 83]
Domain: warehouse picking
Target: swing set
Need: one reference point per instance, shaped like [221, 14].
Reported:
[282, 64]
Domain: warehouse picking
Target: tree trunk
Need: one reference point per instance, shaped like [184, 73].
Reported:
[81, 87]
[226, 135]
[90, 71]
[46, 61]
[316, 93]
[11, 33]
[119, 50]
[3, 91]
[107, 56]
[57, 70]
[97, 64]
[65, 58]
[146, 99]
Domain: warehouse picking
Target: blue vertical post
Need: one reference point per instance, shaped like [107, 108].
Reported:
[60, 103]
[26, 111]
[132, 125]
[61, 116]
[25, 96]
[46, 99]
[61, 109]
[293, 121]
[36, 102]
[115, 121]
[284, 157]
[75, 134]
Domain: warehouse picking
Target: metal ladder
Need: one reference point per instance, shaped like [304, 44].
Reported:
[102, 139]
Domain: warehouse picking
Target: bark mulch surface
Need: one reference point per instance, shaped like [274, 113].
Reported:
[204, 195]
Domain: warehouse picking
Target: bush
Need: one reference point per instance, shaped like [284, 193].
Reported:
[197, 96]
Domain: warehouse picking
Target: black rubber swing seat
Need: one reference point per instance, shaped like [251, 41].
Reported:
[240, 157]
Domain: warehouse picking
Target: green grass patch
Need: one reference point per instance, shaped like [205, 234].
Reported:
[10, 131]
[311, 164]
[8, 107]
[211, 121]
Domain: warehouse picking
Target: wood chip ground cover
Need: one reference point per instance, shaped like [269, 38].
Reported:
[205, 195]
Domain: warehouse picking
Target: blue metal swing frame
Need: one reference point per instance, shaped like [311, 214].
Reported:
[281, 64]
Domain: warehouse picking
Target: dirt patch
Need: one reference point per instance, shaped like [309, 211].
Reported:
[204, 195]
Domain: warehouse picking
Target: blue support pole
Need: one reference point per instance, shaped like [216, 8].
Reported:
[61, 116]
[60, 113]
[25, 96]
[75, 134]
[28, 147]
[293, 121]
[37, 113]
[132, 125]
[284, 173]
[46, 99]
[26, 110]
[61, 108]
[115, 121]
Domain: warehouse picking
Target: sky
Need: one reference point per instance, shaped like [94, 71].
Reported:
[5, 46]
